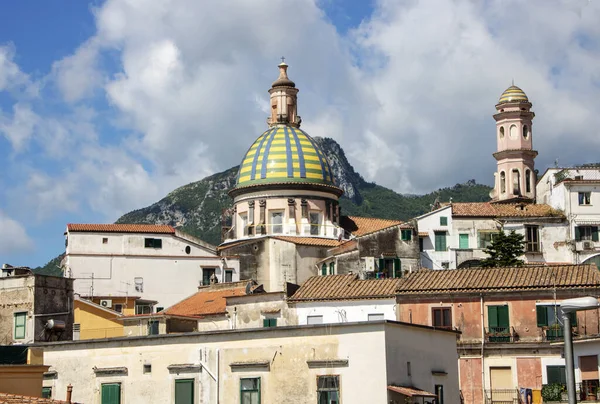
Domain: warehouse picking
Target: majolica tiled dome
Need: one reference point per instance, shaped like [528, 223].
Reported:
[284, 153]
[513, 94]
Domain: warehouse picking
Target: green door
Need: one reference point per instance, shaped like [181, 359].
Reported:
[111, 393]
[463, 241]
[184, 391]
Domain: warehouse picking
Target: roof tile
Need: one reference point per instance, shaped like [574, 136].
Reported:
[6, 398]
[488, 209]
[312, 241]
[361, 226]
[204, 303]
[121, 228]
[343, 287]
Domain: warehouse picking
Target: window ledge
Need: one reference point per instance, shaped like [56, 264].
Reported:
[259, 364]
[110, 371]
[184, 367]
[327, 363]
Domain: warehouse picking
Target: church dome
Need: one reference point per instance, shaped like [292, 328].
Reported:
[513, 94]
[284, 154]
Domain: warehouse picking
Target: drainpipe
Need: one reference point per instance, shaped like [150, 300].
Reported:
[482, 347]
[69, 393]
[218, 374]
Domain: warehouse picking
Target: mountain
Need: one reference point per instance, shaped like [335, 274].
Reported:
[196, 208]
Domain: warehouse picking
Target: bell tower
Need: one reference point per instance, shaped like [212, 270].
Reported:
[515, 175]
[284, 101]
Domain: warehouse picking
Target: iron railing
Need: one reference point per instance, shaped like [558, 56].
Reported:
[500, 334]
[502, 396]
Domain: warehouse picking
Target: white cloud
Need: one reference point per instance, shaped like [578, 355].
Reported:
[19, 128]
[11, 76]
[78, 75]
[13, 237]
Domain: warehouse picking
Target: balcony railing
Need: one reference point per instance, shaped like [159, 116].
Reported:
[500, 334]
[553, 334]
[502, 396]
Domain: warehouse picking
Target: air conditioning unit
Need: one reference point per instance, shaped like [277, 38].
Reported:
[588, 245]
[106, 303]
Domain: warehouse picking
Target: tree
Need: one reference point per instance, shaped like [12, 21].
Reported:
[505, 250]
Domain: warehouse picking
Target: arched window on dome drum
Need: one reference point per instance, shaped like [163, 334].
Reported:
[324, 269]
[527, 181]
[502, 182]
[331, 268]
[516, 182]
[525, 132]
[502, 132]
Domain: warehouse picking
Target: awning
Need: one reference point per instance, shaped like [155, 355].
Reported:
[423, 234]
[410, 391]
[590, 222]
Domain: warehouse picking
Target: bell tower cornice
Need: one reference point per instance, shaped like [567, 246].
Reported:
[284, 100]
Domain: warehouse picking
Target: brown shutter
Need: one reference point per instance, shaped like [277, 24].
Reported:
[589, 367]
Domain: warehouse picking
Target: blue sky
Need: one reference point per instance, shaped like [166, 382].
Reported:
[107, 106]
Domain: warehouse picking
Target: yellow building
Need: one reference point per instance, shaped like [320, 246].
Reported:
[95, 321]
[21, 370]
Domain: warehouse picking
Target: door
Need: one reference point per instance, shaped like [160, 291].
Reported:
[501, 385]
[184, 391]
[111, 393]
[463, 241]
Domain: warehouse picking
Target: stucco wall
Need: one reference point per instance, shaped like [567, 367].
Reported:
[250, 311]
[95, 322]
[345, 310]
[22, 379]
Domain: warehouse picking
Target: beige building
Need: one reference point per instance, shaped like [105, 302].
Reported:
[367, 362]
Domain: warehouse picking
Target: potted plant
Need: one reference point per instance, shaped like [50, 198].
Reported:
[592, 393]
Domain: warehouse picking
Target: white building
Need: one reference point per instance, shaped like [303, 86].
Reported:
[396, 363]
[158, 263]
[575, 191]
[344, 298]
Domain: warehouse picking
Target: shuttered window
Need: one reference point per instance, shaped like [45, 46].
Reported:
[111, 393]
[588, 366]
[440, 241]
[556, 374]
[184, 391]
[20, 321]
[550, 315]
[269, 322]
[397, 268]
[498, 318]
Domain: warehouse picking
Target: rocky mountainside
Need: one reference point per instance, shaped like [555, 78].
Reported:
[196, 208]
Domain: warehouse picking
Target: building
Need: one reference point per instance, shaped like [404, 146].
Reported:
[576, 192]
[585, 354]
[93, 320]
[35, 308]
[508, 319]
[345, 298]
[22, 371]
[157, 263]
[296, 364]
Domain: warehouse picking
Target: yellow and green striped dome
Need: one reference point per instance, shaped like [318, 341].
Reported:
[284, 154]
[513, 94]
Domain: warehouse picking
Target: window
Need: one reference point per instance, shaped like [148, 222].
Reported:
[46, 392]
[556, 374]
[20, 321]
[486, 238]
[406, 234]
[119, 308]
[502, 182]
[152, 327]
[443, 221]
[502, 132]
[315, 223]
[445, 265]
[328, 389]
[513, 132]
[586, 233]
[585, 198]
[184, 391]
[532, 239]
[228, 276]
[439, 394]
[314, 320]
[159, 309]
[516, 182]
[153, 243]
[250, 390]
[143, 309]
[276, 222]
[498, 323]
[375, 317]
[525, 132]
[389, 268]
[104, 240]
[408, 369]
[147, 368]
[111, 393]
[324, 269]
[463, 241]
[331, 268]
[188, 249]
[421, 244]
[76, 331]
[207, 273]
[269, 322]
[549, 315]
[440, 241]
[441, 317]
[244, 223]
[527, 181]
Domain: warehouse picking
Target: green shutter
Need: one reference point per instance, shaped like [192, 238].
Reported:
[503, 316]
[577, 234]
[542, 316]
[265, 322]
[184, 391]
[595, 233]
[397, 271]
[331, 268]
[492, 316]
[324, 269]
[463, 241]
[381, 264]
[440, 241]
[111, 393]
[553, 374]
[443, 221]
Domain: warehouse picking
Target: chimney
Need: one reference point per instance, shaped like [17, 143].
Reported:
[69, 392]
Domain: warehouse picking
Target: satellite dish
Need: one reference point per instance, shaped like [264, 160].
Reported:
[249, 288]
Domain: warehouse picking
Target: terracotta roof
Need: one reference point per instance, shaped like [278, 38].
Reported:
[410, 391]
[6, 398]
[204, 303]
[499, 279]
[361, 226]
[423, 234]
[312, 241]
[121, 228]
[343, 287]
[487, 209]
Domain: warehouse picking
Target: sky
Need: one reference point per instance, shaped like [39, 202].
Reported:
[106, 106]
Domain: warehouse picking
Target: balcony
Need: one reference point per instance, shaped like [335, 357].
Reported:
[501, 334]
[502, 396]
[586, 391]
